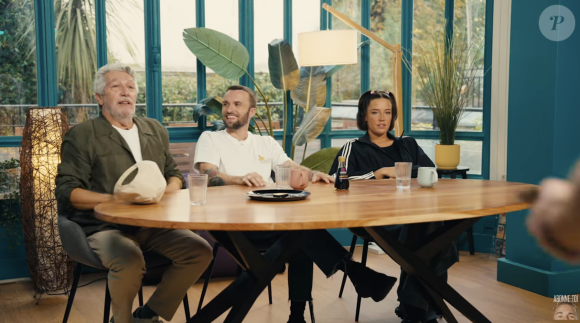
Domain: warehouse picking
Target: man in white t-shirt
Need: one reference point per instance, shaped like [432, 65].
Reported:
[235, 156]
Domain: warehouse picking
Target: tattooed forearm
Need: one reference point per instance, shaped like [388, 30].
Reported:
[214, 179]
[217, 181]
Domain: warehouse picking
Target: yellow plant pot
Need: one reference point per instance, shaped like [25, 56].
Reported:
[447, 156]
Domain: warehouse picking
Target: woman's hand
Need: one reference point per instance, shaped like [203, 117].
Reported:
[385, 172]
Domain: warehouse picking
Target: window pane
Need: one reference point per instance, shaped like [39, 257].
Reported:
[346, 82]
[312, 147]
[126, 42]
[178, 64]
[76, 42]
[469, 22]
[223, 17]
[9, 153]
[268, 25]
[428, 15]
[305, 18]
[386, 23]
[470, 155]
[17, 67]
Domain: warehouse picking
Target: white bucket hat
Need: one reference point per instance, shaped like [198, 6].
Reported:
[147, 187]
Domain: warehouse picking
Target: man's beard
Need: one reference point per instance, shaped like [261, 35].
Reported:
[238, 124]
[118, 115]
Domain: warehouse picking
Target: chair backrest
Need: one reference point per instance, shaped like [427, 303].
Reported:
[74, 242]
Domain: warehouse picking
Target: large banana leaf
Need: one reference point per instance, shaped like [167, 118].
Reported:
[321, 160]
[311, 126]
[284, 71]
[311, 91]
[220, 52]
[207, 106]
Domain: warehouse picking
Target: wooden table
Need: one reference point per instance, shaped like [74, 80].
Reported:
[368, 204]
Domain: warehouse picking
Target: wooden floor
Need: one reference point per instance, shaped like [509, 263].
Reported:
[474, 277]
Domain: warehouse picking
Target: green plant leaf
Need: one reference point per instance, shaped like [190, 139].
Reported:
[220, 52]
[312, 125]
[218, 125]
[311, 91]
[321, 160]
[207, 107]
[284, 71]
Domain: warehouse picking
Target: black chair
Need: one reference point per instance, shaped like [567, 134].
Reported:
[366, 241]
[74, 242]
[209, 271]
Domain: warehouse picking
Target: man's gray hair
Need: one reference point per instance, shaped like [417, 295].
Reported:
[100, 80]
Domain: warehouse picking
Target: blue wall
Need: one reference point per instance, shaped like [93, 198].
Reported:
[543, 132]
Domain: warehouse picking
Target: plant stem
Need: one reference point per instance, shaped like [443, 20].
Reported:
[304, 154]
[266, 102]
[294, 129]
[260, 131]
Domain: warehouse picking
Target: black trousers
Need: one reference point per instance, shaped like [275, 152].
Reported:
[318, 247]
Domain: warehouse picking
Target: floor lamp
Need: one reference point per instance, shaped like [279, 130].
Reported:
[325, 52]
[48, 264]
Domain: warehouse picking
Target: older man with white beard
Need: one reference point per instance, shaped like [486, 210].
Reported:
[95, 154]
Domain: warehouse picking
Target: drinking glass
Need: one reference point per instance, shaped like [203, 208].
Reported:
[197, 188]
[283, 176]
[403, 173]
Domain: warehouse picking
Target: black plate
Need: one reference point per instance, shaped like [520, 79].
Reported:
[278, 195]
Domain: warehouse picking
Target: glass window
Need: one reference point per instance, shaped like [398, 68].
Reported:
[268, 25]
[18, 67]
[126, 42]
[311, 148]
[385, 23]
[76, 42]
[470, 155]
[346, 82]
[178, 64]
[223, 17]
[469, 22]
[428, 15]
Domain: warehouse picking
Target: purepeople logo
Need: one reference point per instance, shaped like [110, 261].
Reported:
[557, 23]
[565, 309]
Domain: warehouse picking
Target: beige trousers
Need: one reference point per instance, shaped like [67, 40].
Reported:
[123, 255]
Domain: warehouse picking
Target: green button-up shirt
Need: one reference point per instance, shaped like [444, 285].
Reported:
[95, 155]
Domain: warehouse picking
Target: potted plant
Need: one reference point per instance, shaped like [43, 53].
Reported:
[10, 202]
[446, 69]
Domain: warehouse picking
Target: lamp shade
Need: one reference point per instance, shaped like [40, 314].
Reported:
[327, 47]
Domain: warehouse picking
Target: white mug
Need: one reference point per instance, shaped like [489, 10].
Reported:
[427, 176]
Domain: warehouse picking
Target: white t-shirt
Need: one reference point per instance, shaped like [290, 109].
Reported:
[260, 154]
[131, 136]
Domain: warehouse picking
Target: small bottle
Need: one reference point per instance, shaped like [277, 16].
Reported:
[341, 180]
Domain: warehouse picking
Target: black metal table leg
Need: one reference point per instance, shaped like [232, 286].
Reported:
[260, 269]
[416, 263]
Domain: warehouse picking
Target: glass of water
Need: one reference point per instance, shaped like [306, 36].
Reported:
[283, 176]
[403, 173]
[197, 188]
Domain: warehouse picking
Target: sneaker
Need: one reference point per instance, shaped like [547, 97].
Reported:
[154, 319]
[369, 283]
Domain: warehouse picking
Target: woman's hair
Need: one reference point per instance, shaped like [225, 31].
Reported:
[365, 101]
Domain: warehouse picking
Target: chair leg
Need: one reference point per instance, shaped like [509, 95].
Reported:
[107, 311]
[311, 307]
[352, 246]
[470, 239]
[364, 263]
[76, 276]
[209, 271]
[186, 307]
[270, 293]
[140, 295]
